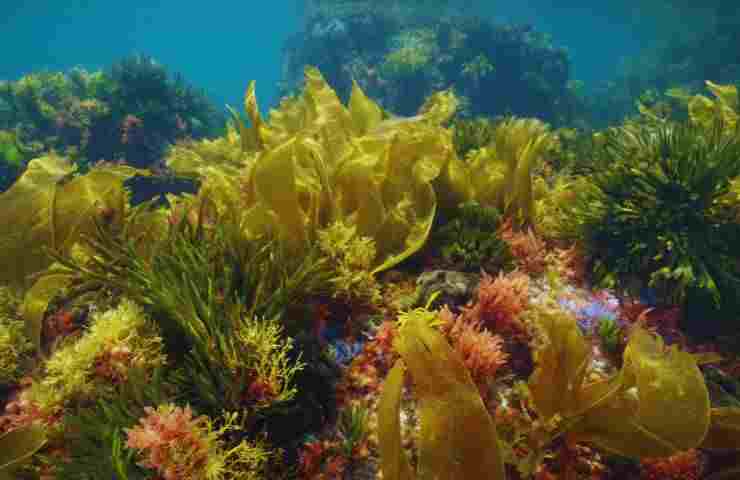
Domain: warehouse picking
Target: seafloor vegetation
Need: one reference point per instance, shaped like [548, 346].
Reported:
[129, 113]
[403, 271]
[350, 294]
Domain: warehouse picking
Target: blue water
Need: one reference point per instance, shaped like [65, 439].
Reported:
[216, 45]
[221, 45]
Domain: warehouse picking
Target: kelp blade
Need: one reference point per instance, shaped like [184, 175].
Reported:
[458, 437]
[393, 460]
[662, 408]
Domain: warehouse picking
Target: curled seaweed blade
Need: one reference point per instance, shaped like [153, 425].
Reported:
[317, 162]
[97, 195]
[28, 223]
[458, 437]
[725, 93]
[557, 381]
[275, 183]
[48, 209]
[37, 300]
[706, 112]
[395, 463]
[662, 408]
[252, 138]
[440, 107]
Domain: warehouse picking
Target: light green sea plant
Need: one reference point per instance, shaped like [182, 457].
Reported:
[70, 373]
[14, 345]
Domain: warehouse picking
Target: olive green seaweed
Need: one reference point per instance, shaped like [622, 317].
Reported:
[725, 107]
[656, 406]
[50, 208]
[458, 438]
[17, 446]
[316, 162]
[47, 211]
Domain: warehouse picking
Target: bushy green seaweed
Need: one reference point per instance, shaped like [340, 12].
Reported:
[656, 218]
[216, 304]
[132, 111]
[469, 240]
[353, 427]
[610, 334]
[12, 159]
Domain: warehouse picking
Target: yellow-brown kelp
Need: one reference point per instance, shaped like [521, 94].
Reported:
[458, 438]
[50, 209]
[316, 162]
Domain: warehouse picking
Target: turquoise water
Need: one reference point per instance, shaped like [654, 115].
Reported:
[220, 46]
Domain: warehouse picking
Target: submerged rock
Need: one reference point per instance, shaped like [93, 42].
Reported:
[455, 288]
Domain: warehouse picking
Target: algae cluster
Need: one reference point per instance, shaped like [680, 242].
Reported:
[209, 314]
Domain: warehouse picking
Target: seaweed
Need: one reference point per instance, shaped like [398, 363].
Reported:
[18, 446]
[316, 162]
[458, 438]
[656, 217]
[472, 134]
[470, 241]
[95, 435]
[657, 405]
[505, 167]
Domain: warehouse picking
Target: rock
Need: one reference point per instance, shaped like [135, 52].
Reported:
[455, 288]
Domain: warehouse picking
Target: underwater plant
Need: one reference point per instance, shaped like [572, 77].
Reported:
[217, 306]
[64, 207]
[725, 108]
[316, 162]
[14, 345]
[116, 341]
[401, 54]
[528, 250]
[458, 438]
[504, 169]
[625, 413]
[471, 134]
[500, 301]
[481, 351]
[353, 428]
[469, 240]
[610, 334]
[178, 446]
[554, 209]
[95, 434]
[412, 51]
[350, 257]
[11, 159]
[131, 112]
[163, 108]
[18, 446]
[655, 217]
